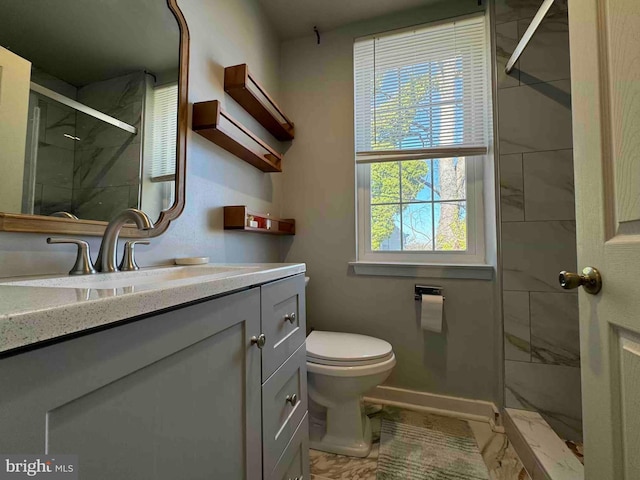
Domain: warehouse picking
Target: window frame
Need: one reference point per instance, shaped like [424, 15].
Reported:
[475, 165]
[475, 252]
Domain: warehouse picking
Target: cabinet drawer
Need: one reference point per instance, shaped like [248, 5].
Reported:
[283, 321]
[281, 411]
[294, 462]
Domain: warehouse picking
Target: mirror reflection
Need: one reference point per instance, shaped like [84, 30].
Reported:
[88, 107]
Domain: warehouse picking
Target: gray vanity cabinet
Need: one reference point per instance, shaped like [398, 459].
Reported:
[182, 394]
[173, 396]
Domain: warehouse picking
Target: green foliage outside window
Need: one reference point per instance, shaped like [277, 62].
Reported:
[385, 188]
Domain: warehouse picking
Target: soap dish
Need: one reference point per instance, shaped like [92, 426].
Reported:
[192, 261]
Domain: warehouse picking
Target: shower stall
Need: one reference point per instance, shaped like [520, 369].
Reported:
[86, 147]
[538, 235]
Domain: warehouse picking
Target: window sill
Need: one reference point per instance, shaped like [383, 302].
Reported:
[424, 270]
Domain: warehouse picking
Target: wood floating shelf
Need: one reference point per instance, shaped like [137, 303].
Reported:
[247, 91]
[237, 217]
[207, 117]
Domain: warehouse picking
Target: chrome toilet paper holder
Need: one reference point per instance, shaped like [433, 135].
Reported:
[427, 290]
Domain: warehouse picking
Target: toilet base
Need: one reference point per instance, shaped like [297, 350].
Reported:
[319, 440]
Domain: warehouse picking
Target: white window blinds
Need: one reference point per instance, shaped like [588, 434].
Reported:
[164, 125]
[422, 92]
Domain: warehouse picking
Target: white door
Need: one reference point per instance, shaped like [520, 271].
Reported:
[605, 80]
[15, 75]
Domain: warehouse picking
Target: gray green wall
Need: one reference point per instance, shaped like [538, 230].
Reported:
[317, 92]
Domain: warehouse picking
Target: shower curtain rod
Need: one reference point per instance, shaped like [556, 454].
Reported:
[524, 41]
[83, 108]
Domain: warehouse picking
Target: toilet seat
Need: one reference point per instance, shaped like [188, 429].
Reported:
[346, 349]
[347, 354]
[343, 363]
[346, 370]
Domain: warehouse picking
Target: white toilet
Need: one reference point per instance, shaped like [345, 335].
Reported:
[341, 367]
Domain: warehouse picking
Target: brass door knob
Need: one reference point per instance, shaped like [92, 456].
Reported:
[590, 279]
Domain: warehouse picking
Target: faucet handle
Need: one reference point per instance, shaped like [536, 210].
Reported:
[128, 259]
[83, 265]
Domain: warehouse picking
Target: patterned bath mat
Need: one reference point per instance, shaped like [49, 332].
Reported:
[410, 452]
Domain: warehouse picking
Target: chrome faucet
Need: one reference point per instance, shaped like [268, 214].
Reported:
[107, 261]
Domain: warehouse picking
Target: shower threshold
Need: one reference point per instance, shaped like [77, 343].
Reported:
[543, 453]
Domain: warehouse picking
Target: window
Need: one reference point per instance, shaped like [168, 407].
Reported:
[164, 131]
[422, 129]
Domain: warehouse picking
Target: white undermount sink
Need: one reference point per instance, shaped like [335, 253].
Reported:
[129, 279]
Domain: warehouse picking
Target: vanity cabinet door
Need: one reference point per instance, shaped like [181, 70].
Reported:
[172, 396]
[283, 321]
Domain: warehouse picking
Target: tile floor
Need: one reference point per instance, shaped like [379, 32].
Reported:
[498, 454]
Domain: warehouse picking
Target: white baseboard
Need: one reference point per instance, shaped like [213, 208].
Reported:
[464, 408]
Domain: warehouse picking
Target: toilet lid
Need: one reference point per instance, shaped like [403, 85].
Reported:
[346, 348]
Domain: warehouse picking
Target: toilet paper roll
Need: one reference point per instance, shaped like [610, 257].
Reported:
[431, 313]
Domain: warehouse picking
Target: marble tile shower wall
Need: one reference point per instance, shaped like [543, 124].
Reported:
[54, 167]
[542, 370]
[106, 176]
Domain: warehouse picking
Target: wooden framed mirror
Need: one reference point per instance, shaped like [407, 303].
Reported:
[93, 114]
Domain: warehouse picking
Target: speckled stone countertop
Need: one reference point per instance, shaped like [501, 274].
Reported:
[30, 314]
